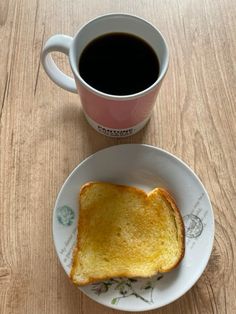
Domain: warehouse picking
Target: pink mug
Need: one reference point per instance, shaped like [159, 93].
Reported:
[111, 115]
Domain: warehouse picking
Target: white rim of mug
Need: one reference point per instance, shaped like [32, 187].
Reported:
[110, 96]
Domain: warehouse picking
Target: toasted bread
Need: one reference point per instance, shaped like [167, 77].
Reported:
[125, 232]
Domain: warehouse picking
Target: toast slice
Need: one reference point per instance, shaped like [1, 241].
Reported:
[125, 232]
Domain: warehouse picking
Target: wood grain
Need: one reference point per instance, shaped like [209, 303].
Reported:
[43, 136]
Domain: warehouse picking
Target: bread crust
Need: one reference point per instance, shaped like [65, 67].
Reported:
[181, 230]
[166, 196]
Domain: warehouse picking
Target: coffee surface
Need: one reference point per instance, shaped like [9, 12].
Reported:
[119, 64]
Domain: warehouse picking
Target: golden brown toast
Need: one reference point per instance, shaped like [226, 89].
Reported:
[125, 232]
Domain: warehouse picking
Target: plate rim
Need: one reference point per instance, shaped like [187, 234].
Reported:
[183, 164]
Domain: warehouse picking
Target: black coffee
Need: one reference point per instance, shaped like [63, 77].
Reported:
[119, 64]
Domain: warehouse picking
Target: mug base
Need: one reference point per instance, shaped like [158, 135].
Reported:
[118, 133]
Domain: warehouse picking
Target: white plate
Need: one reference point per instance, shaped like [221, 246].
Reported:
[145, 167]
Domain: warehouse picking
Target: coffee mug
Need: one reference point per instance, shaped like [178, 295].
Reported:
[110, 114]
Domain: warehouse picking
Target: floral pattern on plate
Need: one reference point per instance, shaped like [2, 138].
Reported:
[127, 287]
[65, 215]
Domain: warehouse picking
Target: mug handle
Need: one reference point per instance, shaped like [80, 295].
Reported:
[60, 43]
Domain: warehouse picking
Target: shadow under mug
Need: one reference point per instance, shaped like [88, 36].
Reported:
[111, 115]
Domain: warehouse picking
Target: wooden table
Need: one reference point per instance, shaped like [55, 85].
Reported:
[43, 136]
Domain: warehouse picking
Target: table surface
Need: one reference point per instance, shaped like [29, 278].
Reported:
[43, 136]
